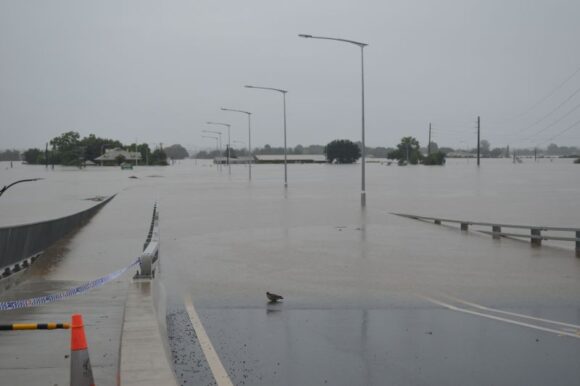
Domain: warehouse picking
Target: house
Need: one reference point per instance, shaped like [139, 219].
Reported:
[233, 161]
[113, 156]
[291, 159]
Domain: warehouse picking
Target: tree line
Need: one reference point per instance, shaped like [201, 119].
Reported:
[70, 149]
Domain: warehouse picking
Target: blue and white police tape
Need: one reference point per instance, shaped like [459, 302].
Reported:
[31, 302]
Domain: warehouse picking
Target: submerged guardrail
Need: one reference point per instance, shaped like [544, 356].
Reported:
[21, 245]
[535, 234]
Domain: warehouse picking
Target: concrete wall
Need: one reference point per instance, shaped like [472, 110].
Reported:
[20, 244]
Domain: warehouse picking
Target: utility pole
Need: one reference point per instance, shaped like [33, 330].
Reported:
[478, 140]
[535, 154]
[429, 145]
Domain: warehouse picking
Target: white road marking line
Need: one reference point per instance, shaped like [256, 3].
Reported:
[217, 368]
[575, 327]
[545, 329]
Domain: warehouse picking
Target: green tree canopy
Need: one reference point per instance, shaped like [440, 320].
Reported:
[9, 155]
[68, 148]
[408, 150]
[94, 146]
[435, 158]
[33, 156]
[176, 152]
[342, 151]
[158, 157]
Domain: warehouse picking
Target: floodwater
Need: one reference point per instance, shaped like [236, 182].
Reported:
[366, 292]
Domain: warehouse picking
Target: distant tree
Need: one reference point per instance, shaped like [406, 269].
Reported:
[447, 150]
[202, 154]
[407, 151]
[233, 153]
[554, 149]
[33, 156]
[497, 152]
[379, 152]
[10, 155]
[484, 147]
[67, 147]
[434, 147]
[435, 158]
[158, 157]
[176, 152]
[243, 152]
[266, 150]
[314, 149]
[342, 151]
[299, 149]
[145, 152]
[94, 146]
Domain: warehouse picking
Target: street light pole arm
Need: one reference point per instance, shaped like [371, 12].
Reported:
[360, 44]
[219, 123]
[237, 111]
[5, 188]
[267, 88]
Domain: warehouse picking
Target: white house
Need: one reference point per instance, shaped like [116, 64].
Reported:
[111, 156]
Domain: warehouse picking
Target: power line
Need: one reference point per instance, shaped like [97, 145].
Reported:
[555, 122]
[562, 132]
[544, 98]
[553, 111]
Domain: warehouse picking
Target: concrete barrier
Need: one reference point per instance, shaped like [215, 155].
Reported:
[21, 245]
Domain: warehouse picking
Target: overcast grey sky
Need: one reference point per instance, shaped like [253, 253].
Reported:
[156, 71]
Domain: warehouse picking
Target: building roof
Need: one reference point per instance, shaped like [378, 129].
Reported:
[112, 154]
[292, 157]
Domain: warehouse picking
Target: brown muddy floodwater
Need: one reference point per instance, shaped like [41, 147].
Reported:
[366, 292]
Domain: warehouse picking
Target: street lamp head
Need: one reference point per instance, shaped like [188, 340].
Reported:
[237, 111]
[248, 86]
[305, 36]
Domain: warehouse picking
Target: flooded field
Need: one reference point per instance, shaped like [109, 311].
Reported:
[367, 293]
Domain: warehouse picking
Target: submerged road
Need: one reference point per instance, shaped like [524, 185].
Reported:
[370, 298]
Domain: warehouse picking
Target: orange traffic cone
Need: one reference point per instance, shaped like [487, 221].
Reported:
[81, 373]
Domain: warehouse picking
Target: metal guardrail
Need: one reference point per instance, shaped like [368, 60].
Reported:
[21, 245]
[535, 234]
[150, 253]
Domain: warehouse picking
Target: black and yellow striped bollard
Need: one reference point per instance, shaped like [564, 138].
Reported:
[34, 326]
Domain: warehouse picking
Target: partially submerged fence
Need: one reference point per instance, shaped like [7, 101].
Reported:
[535, 232]
[20, 245]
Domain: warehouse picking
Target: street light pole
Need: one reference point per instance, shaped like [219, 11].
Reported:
[216, 143]
[249, 138]
[283, 92]
[220, 146]
[229, 145]
[363, 198]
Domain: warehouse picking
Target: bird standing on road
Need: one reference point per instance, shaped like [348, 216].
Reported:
[273, 298]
